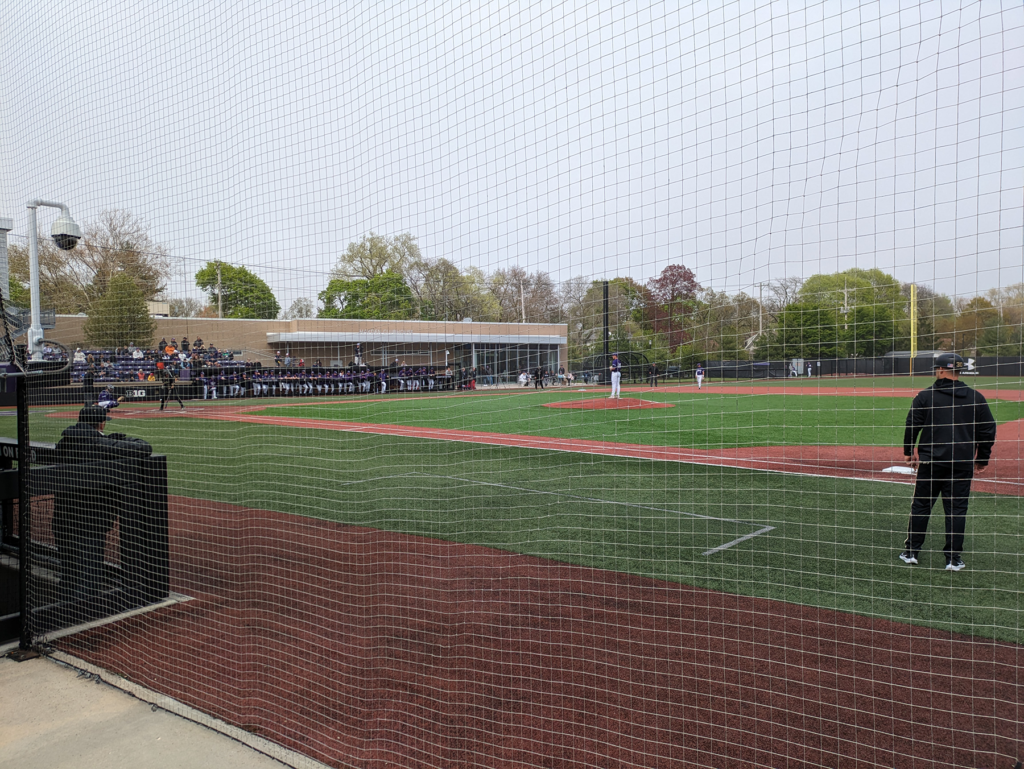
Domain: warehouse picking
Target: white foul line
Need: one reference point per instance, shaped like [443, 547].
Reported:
[726, 546]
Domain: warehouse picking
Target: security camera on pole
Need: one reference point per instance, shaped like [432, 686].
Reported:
[66, 235]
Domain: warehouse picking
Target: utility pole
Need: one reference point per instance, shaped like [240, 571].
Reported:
[220, 304]
[846, 306]
[760, 309]
[606, 330]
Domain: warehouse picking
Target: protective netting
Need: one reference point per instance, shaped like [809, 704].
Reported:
[525, 384]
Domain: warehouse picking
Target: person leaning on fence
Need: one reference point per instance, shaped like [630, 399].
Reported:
[84, 510]
[956, 431]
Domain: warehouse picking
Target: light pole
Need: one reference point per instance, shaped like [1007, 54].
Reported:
[66, 235]
[6, 225]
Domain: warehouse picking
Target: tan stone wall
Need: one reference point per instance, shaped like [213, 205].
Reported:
[250, 336]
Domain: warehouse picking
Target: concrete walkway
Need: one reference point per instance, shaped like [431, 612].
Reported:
[53, 716]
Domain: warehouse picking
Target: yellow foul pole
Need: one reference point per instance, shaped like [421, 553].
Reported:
[913, 324]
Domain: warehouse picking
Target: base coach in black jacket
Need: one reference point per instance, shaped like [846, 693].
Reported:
[956, 431]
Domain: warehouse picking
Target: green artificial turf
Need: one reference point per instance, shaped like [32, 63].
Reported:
[700, 420]
[833, 543]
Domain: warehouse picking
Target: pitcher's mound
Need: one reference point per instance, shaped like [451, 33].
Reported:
[594, 404]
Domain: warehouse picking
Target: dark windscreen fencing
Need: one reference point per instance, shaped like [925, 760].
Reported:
[841, 367]
[98, 542]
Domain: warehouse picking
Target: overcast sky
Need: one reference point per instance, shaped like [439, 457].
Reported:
[749, 141]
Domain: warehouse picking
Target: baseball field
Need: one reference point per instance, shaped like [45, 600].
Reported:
[738, 543]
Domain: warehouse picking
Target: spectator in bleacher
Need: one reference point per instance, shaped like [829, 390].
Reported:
[185, 344]
[198, 344]
[137, 354]
[162, 344]
[277, 358]
[79, 356]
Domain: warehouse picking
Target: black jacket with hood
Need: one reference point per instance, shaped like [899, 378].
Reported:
[954, 423]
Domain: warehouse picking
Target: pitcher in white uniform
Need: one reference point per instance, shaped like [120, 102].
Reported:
[616, 369]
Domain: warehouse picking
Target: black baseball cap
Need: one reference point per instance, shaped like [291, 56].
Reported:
[949, 360]
[93, 415]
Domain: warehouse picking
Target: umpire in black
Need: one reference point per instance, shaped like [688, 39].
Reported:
[956, 431]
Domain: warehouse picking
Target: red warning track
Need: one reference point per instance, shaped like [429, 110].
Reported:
[368, 648]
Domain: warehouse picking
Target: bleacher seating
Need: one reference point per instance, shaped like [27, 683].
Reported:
[111, 367]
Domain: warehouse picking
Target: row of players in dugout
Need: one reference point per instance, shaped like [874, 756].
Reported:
[268, 382]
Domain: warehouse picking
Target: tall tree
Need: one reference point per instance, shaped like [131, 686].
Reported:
[524, 297]
[383, 297]
[974, 317]
[376, 254]
[302, 307]
[242, 294]
[121, 316]
[117, 242]
[442, 292]
[572, 297]
[852, 288]
[807, 330]
[185, 307]
[672, 297]
[935, 318]
[723, 326]
[627, 304]
[780, 292]
[871, 331]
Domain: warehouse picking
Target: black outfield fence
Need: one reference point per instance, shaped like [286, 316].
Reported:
[886, 366]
